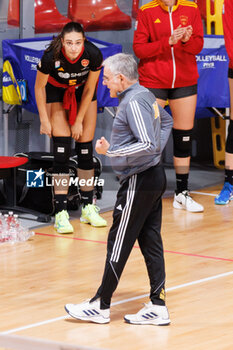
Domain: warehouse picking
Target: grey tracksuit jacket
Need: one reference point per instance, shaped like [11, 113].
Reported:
[140, 132]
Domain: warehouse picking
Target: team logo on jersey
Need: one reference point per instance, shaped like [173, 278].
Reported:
[85, 62]
[57, 64]
[157, 21]
[64, 75]
[61, 69]
[184, 20]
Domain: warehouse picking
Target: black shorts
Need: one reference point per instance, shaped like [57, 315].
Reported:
[55, 94]
[173, 94]
[230, 73]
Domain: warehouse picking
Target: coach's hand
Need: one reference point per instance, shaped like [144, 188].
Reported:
[102, 145]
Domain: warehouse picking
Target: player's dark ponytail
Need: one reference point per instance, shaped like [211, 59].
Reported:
[56, 44]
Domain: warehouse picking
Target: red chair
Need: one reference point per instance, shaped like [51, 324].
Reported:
[47, 17]
[8, 166]
[98, 15]
[13, 13]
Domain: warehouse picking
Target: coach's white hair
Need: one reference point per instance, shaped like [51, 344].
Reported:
[124, 64]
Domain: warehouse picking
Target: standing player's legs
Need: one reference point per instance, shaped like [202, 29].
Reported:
[182, 102]
[84, 149]
[226, 194]
[61, 149]
[183, 112]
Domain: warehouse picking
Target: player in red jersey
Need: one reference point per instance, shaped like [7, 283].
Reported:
[65, 91]
[169, 34]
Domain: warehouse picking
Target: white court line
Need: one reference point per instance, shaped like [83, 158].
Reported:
[122, 302]
[35, 325]
[28, 343]
[204, 194]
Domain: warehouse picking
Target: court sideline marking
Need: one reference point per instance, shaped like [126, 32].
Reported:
[225, 274]
[28, 343]
[204, 193]
[137, 247]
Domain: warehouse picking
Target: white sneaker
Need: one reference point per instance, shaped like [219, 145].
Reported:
[184, 201]
[150, 314]
[87, 311]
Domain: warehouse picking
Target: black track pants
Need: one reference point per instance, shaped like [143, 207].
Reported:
[137, 215]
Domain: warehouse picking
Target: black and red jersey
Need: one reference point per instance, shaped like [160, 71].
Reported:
[68, 72]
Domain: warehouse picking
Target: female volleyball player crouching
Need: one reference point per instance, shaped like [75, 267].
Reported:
[65, 91]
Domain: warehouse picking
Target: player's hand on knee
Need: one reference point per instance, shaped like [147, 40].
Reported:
[46, 128]
[77, 129]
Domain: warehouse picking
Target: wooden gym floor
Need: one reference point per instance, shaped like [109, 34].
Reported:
[39, 276]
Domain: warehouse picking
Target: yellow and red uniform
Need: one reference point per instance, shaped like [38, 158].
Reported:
[162, 65]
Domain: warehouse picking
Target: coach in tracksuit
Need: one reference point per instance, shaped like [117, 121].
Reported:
[140, 132]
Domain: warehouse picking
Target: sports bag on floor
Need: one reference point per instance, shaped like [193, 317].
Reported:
[36, 192]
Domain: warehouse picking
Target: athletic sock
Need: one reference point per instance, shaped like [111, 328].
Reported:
[87, 197]
[181, 182]
[60, 202]
[229, 176]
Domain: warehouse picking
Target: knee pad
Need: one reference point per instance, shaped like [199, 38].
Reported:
[61, 151]
[182, 142]
[229, 141]
[85, 155]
